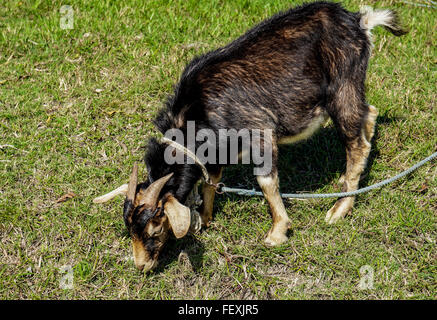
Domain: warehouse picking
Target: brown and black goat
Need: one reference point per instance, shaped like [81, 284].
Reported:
[289, 74]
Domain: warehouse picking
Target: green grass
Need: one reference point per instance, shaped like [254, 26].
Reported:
[75, 111]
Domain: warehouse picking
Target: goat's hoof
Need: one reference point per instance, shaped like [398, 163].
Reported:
[274, 240]
[206, 223]
[339, 210]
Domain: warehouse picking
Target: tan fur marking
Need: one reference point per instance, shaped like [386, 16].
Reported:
[308, 132]
[281, 222]
[208, 199]
[141, 257]
[356, 162]
[369, 126]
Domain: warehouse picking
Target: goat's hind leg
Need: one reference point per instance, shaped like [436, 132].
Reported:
[369, 130]
[357, 151]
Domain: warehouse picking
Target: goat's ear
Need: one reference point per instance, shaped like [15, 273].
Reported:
[179, 216]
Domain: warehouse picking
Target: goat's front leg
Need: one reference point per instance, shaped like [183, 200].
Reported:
[208, 198]
[281, 223]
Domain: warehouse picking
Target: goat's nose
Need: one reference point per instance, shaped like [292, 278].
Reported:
[146, 266]
[140, 267]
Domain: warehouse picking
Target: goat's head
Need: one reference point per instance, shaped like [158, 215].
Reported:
[149, 215]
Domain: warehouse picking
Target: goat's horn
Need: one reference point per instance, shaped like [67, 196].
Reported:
[120, 190]
[151, 194]
[132, 187]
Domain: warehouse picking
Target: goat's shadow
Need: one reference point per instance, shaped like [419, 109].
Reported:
[308, 165]
[305, 166]
[189, 244]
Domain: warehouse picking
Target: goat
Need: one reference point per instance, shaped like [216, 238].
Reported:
[289, 74]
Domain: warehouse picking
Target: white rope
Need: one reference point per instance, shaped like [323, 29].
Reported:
[245, 192]
[421, 4]
[220, 188]
[181, 148]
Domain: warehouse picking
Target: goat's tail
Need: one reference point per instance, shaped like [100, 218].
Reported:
[371, 18]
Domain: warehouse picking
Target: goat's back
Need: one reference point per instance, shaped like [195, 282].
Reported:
[277, 75]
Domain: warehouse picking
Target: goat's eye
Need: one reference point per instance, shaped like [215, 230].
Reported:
[157, 232]
[154, 229]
